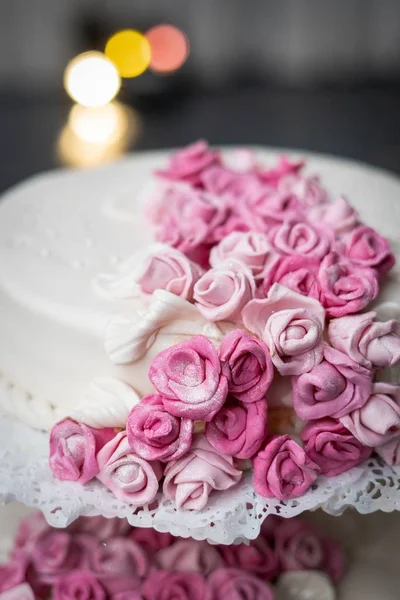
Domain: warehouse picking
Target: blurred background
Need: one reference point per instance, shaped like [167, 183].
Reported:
[323, 75]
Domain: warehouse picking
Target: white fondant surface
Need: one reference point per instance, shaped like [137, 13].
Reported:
[58, 231]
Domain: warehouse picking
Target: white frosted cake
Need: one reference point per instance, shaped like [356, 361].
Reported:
[60, 231]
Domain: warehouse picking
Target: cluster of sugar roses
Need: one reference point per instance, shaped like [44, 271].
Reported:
[106, 559]
[288, 294]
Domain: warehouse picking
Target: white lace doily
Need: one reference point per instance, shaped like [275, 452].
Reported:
[230, 516]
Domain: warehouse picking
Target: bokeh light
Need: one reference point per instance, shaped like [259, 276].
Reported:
[130, 52]
[169, 48]
[91, 79]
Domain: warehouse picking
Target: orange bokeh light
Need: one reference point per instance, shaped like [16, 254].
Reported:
[169, 48]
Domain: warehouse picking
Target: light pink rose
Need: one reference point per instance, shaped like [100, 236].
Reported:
[220, 181]
[283, 170]
[73, 450]
[20, 592]
[238, 429]
[150, 539]
[346, 287]
[333, 388]
[78, 584]
[308, 190]
[224, 290]
[298, 237]
[339, 215]
[368, 342]
[291, 325]
[369, 249]
[189, 556]
[390, 452]
[13, 572]
[264, 209]
[283, 470]
[252, 248]
[155, 434]
[100, 527]
[190, 479]
[247, 365]
[299, 548]
[332, 447]
[169, 270]
[190, 379]
[165, 585]
[298, 273]
[130, 478]
[55, 553]
[257, 557]
[188, 163]
[235, 584]
[377, 422]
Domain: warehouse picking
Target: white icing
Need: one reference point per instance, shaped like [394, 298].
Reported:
[106, 403]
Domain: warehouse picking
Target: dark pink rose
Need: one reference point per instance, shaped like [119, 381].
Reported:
[346, 287]
[189, 556]
[130, 478]
[238, 429]
[100, 527]
[284, 168]
[165, 585]
[298, 273]
[333, 388]
[299, 548]
[20, 592]
[283, 470]
[377, 422]
[78, 585]
[298, 237]
[29, 529]
[224, 290]
[220, 181]
[56, 553]
[366, 341]
[13, 572]
[150, 539]
[339, 215]
[188, 163]
[390, 452]
[190, 479]
[190, 379]
[265, 209]
[232, 224]
[73, 450]
[235, 584]
[170, 270]
[367, 248]
[120, 565]
[257, 557]
[247, 365]
[155, 434]
[308, 190]
[332, 447]
[130, 595]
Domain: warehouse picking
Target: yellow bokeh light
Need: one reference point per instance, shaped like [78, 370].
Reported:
[91, 79]
[130, 51]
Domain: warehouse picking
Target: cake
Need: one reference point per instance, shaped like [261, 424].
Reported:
[195, 312]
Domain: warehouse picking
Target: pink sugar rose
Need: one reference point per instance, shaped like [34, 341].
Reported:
[247, 365]
[250, 247]
[339, 215]
[190, 479]
[377, 422]
[130, 478]
[73, 450]
[166, 585]
[100, 527]
[298, 273]
[284, 169]
[169, 270]
[155, 434]
[29, 529]
[308, 190]
[266, 208]
[20, 592]
[238, 429]
[332, 447]
[346, 287]
[291, 325]
[220, 181]
[299, 547]
[367, 248]
[232, 223]
[390, 452]
[368, 342]
[224, 290]
[130, 595]
[189, 556]
[283, 470]
[55, 553]
[257, 558]
[297, 237]
[78, 584]
[333, 388]
[235, 584]
[188, 163]
[13, 572]
[190, 379]
[150, 539]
